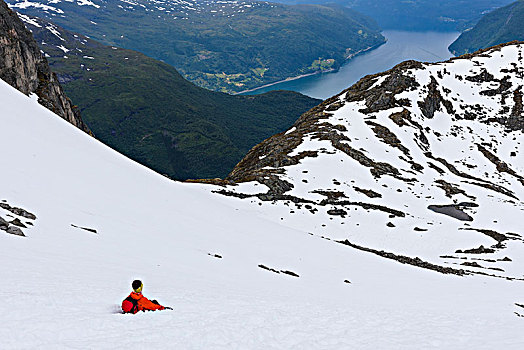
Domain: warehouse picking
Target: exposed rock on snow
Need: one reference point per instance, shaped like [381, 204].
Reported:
[18, 211]
[18, 223]
[15, 231]
[407, 260]
[285, 272]
[479, 250]
[454, 210]
[14, 226]
[92, 230]
[3, 224]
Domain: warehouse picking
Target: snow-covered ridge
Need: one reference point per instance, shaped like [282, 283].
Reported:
[429, 153]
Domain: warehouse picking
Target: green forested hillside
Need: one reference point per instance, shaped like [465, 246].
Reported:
[500, 26]
[144, 109]
[436, 15]
[227, 46]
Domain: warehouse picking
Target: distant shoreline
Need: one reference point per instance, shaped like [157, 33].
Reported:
[331, 70]
[283, 81]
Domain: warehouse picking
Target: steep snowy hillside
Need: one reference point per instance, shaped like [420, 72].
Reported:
[248, 273]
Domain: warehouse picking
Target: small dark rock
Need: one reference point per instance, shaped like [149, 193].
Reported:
[291, 273]
[505, 259]
[420, 229]
[453, 210]
[339, 212]
[479, 250]
[369, 193]
[85, 228]
[390, 224]
[267, 268]
[18, 223]
[15, 231]
[3, 224]
[472, 264]
[347, 281]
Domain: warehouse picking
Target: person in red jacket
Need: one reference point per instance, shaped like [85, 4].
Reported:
[137, 302]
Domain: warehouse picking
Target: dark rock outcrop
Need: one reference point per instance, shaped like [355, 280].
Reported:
[18, 211]
[3, 224]
[24, 67]
[15, 231]
[454, 210]
[407, 260]
[479, 250]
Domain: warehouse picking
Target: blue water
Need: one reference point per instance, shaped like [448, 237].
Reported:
[401, 46]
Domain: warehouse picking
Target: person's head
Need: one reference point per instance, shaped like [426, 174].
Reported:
[137, 286]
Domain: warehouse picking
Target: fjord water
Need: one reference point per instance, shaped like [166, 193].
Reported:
[400, 46]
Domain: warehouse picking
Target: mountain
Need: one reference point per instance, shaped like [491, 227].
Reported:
[144, 109]
[227, 46]
[419, 15]
[256, 274]
[502, 25]
[428, 151]
[23, 66]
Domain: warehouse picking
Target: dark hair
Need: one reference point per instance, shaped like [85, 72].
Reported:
[136, 284]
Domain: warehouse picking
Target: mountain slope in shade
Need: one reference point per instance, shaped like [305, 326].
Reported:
[497, 27]
[418, 15]
[146, 110]
[248, 273]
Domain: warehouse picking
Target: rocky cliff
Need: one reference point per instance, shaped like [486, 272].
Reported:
[24, 67]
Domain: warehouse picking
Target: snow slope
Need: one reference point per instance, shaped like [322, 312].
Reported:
[61, 285]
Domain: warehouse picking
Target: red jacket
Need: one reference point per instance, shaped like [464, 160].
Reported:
[142, 303]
